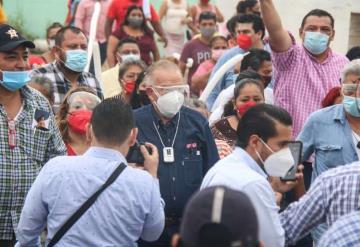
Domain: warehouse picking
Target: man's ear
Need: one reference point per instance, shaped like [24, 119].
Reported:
[254, 142]
[132, 137]
[89, 134]
[150, 93]
[175, 241]
[301, 32]
[332, 36]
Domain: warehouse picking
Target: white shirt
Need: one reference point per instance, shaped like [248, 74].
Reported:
[240, 172]
[226, 95]
[356, 140]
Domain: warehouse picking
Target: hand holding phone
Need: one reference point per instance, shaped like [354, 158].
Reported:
[296, 150]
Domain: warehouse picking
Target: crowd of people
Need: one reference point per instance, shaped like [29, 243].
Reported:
[136, 157]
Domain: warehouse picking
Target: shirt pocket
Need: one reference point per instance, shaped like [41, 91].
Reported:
[38, 146]
[329, 156]
[193, 169]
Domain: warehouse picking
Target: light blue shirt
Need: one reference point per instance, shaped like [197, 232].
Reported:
[128, 209]
[240, 172]
[327, 133]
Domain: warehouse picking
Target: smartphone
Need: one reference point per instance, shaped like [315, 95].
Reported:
[134, 155]
[296, 150]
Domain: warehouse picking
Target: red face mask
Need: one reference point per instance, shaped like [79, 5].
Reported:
[129, 86]
[78, 120]
[244, 107]
[244, 41]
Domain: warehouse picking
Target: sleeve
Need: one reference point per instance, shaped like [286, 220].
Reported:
[283, 61]
[80, 16]
[155, 220]
[33, 215]
[56, 146]
[307, 137]
[154, 15]
[210, 152]
[263, 199]
[300, 217]
[111, 14]
[185, 54]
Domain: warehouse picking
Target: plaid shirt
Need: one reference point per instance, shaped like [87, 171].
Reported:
[19, 166]
[333, 194]
[301, 82]
[63, 85]
[344, 232]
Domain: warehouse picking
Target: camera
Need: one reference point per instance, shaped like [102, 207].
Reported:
[135, 156]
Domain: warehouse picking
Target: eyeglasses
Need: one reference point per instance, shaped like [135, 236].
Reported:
[83, 100]
[350, 89]
[183, 89]
[12, 134]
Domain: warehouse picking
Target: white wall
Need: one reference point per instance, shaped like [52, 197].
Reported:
[292, 12]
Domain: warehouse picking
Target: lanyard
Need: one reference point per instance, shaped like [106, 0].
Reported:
[176, 131]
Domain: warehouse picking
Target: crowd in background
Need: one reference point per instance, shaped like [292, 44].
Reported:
[142, 154]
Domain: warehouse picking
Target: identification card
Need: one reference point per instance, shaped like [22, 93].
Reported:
[168, 153]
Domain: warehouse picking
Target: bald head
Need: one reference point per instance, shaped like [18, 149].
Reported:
[164, 73]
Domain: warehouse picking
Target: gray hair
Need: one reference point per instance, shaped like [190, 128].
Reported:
[159, 65]
[124, 66]
[45, 83]
[351, 68]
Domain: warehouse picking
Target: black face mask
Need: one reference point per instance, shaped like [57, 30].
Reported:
[143, 98]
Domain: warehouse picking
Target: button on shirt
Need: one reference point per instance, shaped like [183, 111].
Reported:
[240, 172]
[194, 150]
[19, 166]
[332, 195]
[129, 208]
[327, 133]
[63, 85]
[301, 82]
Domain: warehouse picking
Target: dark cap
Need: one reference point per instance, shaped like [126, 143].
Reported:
[219, 216]
[10, 39]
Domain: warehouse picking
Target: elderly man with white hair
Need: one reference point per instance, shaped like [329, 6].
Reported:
[333, 133]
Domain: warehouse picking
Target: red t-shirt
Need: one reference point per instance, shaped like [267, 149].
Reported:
[70, 150]
[196, 50]
[118, 8]
[146, 43]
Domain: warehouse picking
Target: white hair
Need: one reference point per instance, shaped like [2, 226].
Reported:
[351, 68]
[159, 65]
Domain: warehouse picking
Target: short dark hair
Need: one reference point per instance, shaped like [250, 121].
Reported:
[243, 5]
[207, 15]
[254, 59]
[318, 13]
[261, 120]
[247, 74]
[52, 26]
[112, 121]
[258, 24]
[59, 38]
[353, 53]
[239, 86]
[126, 41]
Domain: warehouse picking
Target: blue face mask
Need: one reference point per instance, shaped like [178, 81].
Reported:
[315, 42]
[76, 60]
[352, 106]
[14, 80]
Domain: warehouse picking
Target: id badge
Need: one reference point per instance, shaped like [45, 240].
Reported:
[168, 153]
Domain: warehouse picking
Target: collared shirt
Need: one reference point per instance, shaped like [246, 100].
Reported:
[302, 82]
[111, 85]
[62, 85]
[129, 208]
[19, 166]
[194, 150]
[240, 172]
[327, 133]
[83, 17]
[343, 233]
[333, 194]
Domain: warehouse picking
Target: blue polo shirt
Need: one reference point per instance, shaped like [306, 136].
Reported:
[194, 150]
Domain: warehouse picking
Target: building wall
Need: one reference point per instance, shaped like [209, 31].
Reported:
[37, 14]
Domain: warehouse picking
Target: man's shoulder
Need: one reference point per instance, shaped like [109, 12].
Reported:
[47, 68]
[143, 112]
[195, 116]
[36, 98]
[339, 58]
[341, 172]
[326, 114]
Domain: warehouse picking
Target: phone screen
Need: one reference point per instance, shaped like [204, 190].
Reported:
[296, 149]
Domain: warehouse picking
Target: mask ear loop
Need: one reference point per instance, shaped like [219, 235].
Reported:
[357, 99]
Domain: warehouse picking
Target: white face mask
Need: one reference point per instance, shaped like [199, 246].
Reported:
[170, 103]
[130, 57]
[278, 163]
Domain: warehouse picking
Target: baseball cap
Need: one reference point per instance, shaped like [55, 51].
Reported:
[219, 216]
[10, 38]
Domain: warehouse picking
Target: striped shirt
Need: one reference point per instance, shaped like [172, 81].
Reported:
[20, 165]
[62, 85]
[333, 194]
[301, 82]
